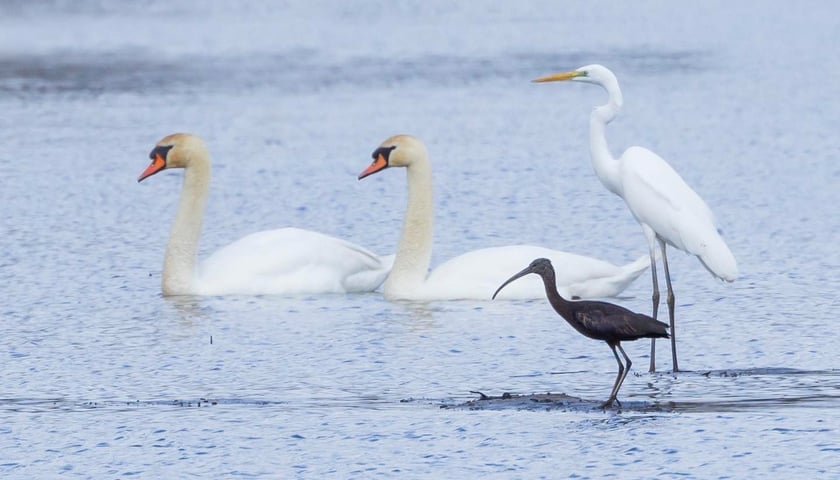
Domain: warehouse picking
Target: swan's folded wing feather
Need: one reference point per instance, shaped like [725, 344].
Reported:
[289, 261]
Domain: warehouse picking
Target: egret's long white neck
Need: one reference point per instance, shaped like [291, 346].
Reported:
[414, 253]
[179, 264]
[606, 166]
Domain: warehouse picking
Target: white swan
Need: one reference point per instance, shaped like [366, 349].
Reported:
[477, 274]
[283, 261]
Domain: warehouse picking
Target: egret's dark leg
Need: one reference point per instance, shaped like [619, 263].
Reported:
[614, 392]
[626, 371]
[671, 305]
[651, 236]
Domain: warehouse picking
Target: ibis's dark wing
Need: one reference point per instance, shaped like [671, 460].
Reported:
[618, 324]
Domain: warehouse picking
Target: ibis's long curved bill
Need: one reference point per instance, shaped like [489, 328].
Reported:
[559, 77]
[511, 279]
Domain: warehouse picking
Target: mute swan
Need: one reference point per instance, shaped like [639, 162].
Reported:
[476, 274]
[283, 261]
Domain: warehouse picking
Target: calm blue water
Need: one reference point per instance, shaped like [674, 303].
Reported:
[104, 378]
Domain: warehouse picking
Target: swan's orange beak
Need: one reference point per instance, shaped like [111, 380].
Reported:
[158, 164]
[379, 164]
[559, 77]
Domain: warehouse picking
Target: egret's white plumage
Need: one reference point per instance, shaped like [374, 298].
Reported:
[282, 261]
[669, 211]
[660, 199]
[477, 274]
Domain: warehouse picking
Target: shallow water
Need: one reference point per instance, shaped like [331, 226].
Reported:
[102, 377]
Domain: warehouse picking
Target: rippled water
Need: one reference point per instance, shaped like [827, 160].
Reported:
[102, 377]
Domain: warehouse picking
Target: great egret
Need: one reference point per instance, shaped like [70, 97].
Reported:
[597, 320]
[669, 211]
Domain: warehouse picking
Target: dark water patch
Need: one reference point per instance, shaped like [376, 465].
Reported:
[190, 403]
[762, 371]
[51, 404]
[301, 70]
[537, 401]
[314, 403]
[26, 8]
[755, 389]
[751, 404]
[30, 404]
[568, 403]
[139, 71]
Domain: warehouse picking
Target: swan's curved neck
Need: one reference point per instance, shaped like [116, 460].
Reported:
[414, 253]
[606, 166]
[179, 265]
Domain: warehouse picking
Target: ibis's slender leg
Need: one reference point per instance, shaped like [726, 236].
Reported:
[671, 305]
[627, 366]
[618, 378]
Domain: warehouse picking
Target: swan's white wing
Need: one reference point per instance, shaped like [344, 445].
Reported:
[477, 274]
[658, 197]
[291, 261]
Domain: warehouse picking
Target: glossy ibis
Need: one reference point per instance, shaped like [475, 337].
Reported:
[597, 320]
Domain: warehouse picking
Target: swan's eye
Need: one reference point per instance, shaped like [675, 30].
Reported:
[385, 152]
[161, 150]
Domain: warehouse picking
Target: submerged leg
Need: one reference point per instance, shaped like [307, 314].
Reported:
[671, 305]
[618, 378]
[628, 364]
[651, 239]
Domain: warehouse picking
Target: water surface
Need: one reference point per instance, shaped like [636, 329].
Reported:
[102, 377]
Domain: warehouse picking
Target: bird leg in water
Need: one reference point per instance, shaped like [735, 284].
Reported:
[671, 305]
[614, 393]
[627, 365]
[623, 370]
[655, 299]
